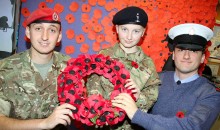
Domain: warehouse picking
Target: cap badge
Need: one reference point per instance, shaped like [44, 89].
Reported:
[137, 16]
[191, 31]
[55, 16]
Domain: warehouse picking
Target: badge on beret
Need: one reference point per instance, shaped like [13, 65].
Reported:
[137, 18]
[55, 16]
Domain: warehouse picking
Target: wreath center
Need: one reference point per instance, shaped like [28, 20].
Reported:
[93, 109]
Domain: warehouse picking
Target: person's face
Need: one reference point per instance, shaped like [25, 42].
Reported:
[129, 34]
[43, 37]
[187, 61]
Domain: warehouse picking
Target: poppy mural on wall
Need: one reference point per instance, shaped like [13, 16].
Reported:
[87, 24]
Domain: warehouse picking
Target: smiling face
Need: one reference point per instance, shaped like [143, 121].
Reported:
[43, 37]
[187, 62]
[129, 36]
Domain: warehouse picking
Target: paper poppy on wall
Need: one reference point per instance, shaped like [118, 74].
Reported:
[42, 5]
[93, 109]
[70, 18]
[58, 7]
[25, 12]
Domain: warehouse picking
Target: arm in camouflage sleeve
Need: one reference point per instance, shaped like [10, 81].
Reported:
[147, 98]
[61, 115]
[149, 93]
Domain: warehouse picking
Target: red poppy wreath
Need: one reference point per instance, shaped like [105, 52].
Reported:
[92, 110]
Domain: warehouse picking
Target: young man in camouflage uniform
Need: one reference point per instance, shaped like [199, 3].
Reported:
[130, 26]
[28, 93]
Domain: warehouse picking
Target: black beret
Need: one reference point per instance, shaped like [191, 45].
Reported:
[131, 15]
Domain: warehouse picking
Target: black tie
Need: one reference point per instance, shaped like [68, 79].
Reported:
[178, 82]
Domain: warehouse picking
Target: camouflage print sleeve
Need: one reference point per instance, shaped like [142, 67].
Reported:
[149, 92]
[147, 97]
[93, 85]
[5, 105]
[99, 85]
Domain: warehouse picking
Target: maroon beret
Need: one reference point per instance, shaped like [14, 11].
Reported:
[43, 15]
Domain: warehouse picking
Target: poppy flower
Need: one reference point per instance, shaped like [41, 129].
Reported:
[134, 64]
[25, 12]
[111, 35]
[97, 28]
[144, 3]
[70, 18]
[79, 62]
[111, 14]
[121, 114]
[80, 38]
[92, 2]
[114, 94]
[111, 119]
[86, 8]
[84, 48]
[85, 18]
[96, 46]
[97, 13]
[150, 5]
[108, 116]
[164, 16]
[96, 103]
[42, 5]
[69, 49]
[58, 7]
[98, 60]
[109, 73]
[135, 3]
[86, 28]
[74, 6]
[100, 38]
[92, 35]
[70, 34]
[105, 21]
[109, 6]
[162, 5]
[83, 113]
[93, 21]
[120, 4]
[180, 114]
[101, 2]
[23, 1]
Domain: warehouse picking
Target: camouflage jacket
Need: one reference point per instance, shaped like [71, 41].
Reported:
[145, 76]
[23, 93]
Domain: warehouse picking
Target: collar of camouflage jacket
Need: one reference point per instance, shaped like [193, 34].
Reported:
[138, 56]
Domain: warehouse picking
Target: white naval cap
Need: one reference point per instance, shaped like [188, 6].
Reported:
[190, 36]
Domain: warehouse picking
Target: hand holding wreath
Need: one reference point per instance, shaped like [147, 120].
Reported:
[93, 110]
